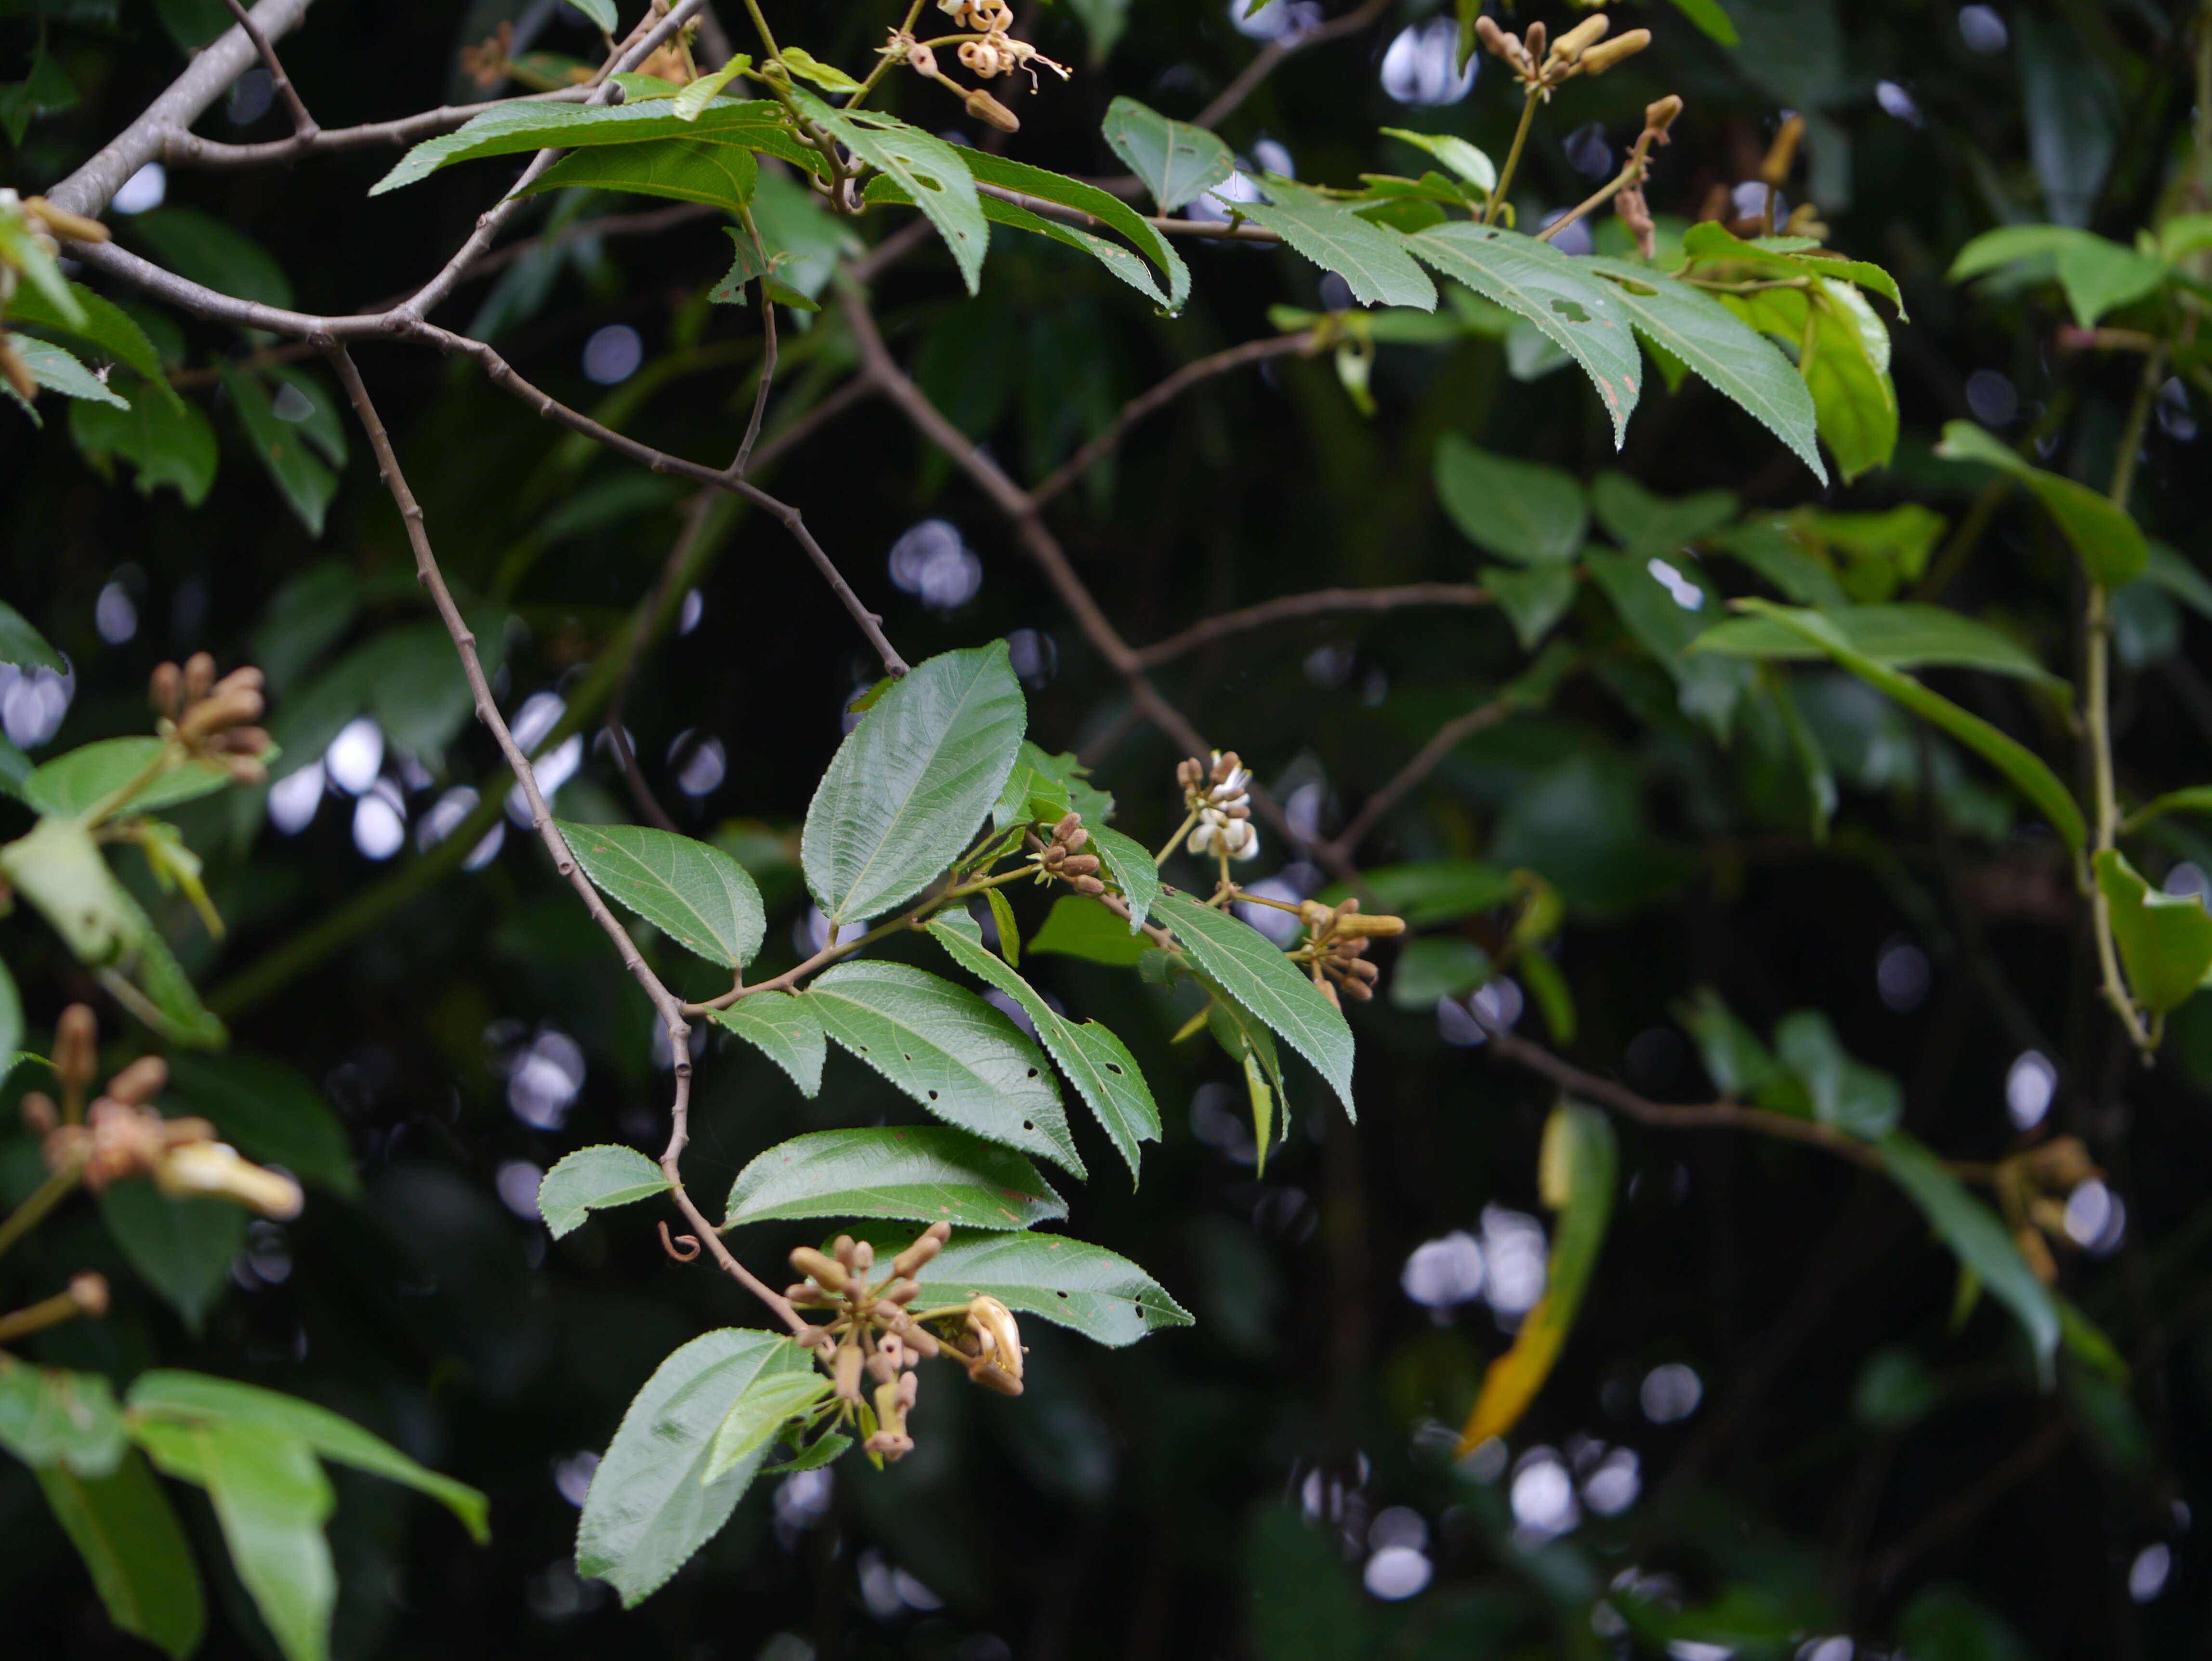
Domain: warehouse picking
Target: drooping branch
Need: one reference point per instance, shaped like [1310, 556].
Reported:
[1321, 602]
[1448, 738]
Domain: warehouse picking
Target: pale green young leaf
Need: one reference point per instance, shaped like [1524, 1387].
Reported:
[2110, 544]
[1002, 922]
[195, 1398]
[1079, 928]
[271, 1499]
[1584, 314]
[716, 170]
[761, 1409]
[79, 780]
[2028, 772]
[929, 170]
[1262, 980]
[134, 1548]
[601, 12]
[1096, 1062]
[594, 1177]
[1978, 1238]
[907, 787]
[1518, 510]
[2097, 274]
[1117, 259]
[1461, 157]
[1723, 351]
[947, 1050]
[20, 248]
[1900, 636]
[1178, 162]
[50, 1417]
[922, 1173]
[2165, 940]
[648, 1511]
[699, 94]
[807, 66]
[692, 892]
[1372, 261]
[782, 1028]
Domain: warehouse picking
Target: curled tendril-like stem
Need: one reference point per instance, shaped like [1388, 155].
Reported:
[683, 1248]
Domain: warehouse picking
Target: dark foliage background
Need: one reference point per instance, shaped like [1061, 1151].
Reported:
[1127, 1506]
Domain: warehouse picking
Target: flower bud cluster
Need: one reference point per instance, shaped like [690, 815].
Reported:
[991, 52]
[48, 226]
[2032, 1187]
[1063, 856]
[1336, 946]
[1219, 793]
[1541, 64]
[873, 1336]
[212, 718]
[122, 1136]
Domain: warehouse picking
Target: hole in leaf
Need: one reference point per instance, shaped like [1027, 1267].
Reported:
[1571, 310]
[1033, 1073]
[1114, 1067]
[1026, 1125]
[932, 1095]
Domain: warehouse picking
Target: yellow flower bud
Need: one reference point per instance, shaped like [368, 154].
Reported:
[1580, 38]
[1602, 57]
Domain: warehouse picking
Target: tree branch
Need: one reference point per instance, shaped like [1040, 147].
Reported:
[1273, 55]
[303, 124]
[1321, 602]
[187, 150]
[1426, 760]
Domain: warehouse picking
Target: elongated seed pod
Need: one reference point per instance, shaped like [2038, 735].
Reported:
[1580, 38]
[984, 107]
[848, 1372]
[1601, 58]
[827, 1271]
[911, 1261]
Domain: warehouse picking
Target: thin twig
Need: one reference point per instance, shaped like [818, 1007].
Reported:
[1274, 53]
[303, 124]
[1424, 761]
[1166, 392]
[1321, 602]
[187, 150]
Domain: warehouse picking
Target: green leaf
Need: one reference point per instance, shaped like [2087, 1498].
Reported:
[761, 1409]
[1708, 687]
[1092, 1290]
[1575, 1174]
[311, 409]
[11, 1025]
[183, 1249]
[304, 482]
[1461, 157]
[168, 441]
[929, 170]
[1708, 15]
[1117, 259]
[1262, 979]
[169, 1004]
[692, 892]
[648, 1511]
[1739, 1065]
[2165, 940]
[24, 647]
[1103, 24]
[1896, 636]
[1097, 1062]
[272, 1499]
[717, 171]
[57, 371]
[2098, 276]
[1002, 922]
[1128, 866]
[1441, 967]
[2196, 799]
[783, 1029]
[1585, 316]
[1978, 1238]
[1533, 601]
[923, 1173]
[908, 786]
[196, 1398]
[1519, 510]
[1847, 371]
[1845, 1094]
[1723, 349]
[1643, 523]
[51, 1417]
[824, 1449]
[270, 1112]
[24, 251]
[695, 96]
[1063, 192]
[513, 128]
[79, 780]
[203, 248]
[2166, 567]
[59, 869]
[949, 1050]
[1178, 162]
[828, 76]
[2028, 772]
[1371, 259]
[601, 12]
[123, 1527]
[1078, 927]
[593, 1178]
[2109, 543]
